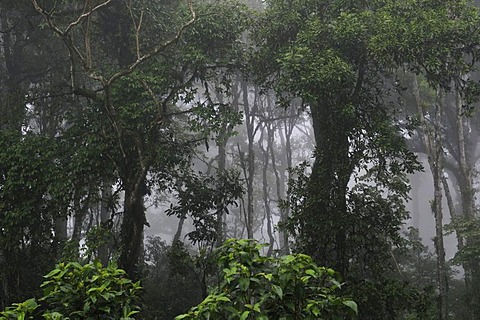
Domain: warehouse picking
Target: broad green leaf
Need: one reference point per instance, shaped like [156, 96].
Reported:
[352, 305]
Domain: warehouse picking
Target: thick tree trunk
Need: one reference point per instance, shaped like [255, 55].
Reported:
[60, 230]
[324, 237]
[133, 223]
[12, 104]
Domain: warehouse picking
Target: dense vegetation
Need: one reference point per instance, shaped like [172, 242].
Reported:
[295, 122]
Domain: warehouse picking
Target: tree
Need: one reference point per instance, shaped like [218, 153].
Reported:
[135, 92]
[339, 58]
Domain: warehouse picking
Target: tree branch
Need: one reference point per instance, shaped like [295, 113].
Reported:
[157, 49]
[83, 15]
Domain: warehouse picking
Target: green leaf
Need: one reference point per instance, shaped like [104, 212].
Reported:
[244, 315]
[352, 305]
[223, 298]
[244, 283]
[278, 290]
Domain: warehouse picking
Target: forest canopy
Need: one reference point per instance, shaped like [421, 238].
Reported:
[144, 134]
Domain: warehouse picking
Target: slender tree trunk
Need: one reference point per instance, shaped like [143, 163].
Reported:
[106, 222]
[433, 142]
[416, 183]
[266, 189]
[250, 159]
[286, 160]
[178, 233]
[467, 193]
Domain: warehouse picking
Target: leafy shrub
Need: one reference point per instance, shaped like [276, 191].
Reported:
[75, 291]
[19, 310]
[258, 287]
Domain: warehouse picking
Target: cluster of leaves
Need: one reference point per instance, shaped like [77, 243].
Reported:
[73, 291]
[203, 197]
[27, 167]
[258, 287]
[30, 198]
[468, 229]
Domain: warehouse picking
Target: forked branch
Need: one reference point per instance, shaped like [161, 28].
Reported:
[157, 49]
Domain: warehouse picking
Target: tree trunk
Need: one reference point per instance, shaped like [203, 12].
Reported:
[106, 222]
[323, 229]
[286, 163]
[60, 230]
[467, 194]
[133, 223]
[433, 142]
[250, 160]
[178, 233]
[265, 188]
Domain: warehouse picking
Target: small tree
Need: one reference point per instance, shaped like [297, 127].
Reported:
[259, 287]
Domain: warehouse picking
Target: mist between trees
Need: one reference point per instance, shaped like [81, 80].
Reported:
[144, 134]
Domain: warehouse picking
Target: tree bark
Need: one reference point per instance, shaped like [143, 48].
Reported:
[132, 228]
[323, 230]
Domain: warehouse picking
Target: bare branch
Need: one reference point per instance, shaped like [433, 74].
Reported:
[48, 18]
[157, 49]
[85, 15]
[88, 46]
[137, 27]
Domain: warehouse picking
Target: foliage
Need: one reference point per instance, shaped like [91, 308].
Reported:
[371, 228]
[86, 292]
[340, 58]
[19, 310]
[202, 197]
[258, 287]
[73, 291]
[175, 279]
[467, 229]
[31, 196]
